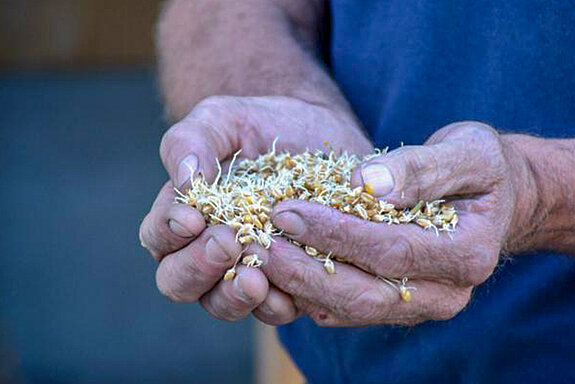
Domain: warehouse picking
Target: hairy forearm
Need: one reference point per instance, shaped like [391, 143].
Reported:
[244, 48]
[544, 218]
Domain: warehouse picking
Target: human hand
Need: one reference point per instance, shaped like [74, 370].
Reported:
[193, 259]
[468, 163]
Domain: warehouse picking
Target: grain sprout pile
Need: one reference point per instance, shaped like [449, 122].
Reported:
[243, 198]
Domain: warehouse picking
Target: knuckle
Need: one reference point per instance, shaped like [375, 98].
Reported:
[363, 306]
[346, 236]
[169, 288]
[339, 232]
[471, 129]
[317, 219]
[421, 165]
[414, 162]
[452, 307]
[162, 240]
[486, 144]
[172, 136]
[297, 279]
[399, 260]
[485, 131]
[335, 234]
[210, 103]
[479, 266]
[213, 108]
[181, 278]
[197, 268]
[352, 237]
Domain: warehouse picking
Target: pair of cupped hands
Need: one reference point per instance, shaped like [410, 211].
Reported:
[467, 163]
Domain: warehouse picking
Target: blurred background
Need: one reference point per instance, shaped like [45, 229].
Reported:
[80, 125]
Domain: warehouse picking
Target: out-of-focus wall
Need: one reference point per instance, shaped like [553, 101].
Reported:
[87, 35]
[76, 33]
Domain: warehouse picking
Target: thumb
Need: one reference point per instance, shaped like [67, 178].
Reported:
[428, 172]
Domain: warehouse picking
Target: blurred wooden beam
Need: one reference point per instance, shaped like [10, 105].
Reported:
[273, 364]
[70, 33]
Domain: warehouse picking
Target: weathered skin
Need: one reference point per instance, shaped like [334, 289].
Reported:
[514, 192]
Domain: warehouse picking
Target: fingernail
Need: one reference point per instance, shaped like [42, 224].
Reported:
[186, 171]
[216, 252]
[377, 179]
[240, 289]
[179, 229]
[290, 222]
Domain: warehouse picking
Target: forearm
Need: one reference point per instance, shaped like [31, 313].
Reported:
[244, 48]
[545, 218]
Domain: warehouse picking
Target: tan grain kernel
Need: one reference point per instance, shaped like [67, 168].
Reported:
[244, 196]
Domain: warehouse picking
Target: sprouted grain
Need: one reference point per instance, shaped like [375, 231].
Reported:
[244, 198]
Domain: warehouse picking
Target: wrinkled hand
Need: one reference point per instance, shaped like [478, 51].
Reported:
[467, 163]
[193, 259]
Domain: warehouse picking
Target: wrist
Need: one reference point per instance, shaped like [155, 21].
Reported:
[529, 210]
[541, 171]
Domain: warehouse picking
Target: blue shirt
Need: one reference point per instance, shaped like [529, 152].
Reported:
[410, 67]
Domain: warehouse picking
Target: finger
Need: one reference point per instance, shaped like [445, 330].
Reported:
[393, 250]
[207, 134]
[466, 162]
[355, 297]
[189, 273]
[235, 299]
[168, 227]
[278, 308]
